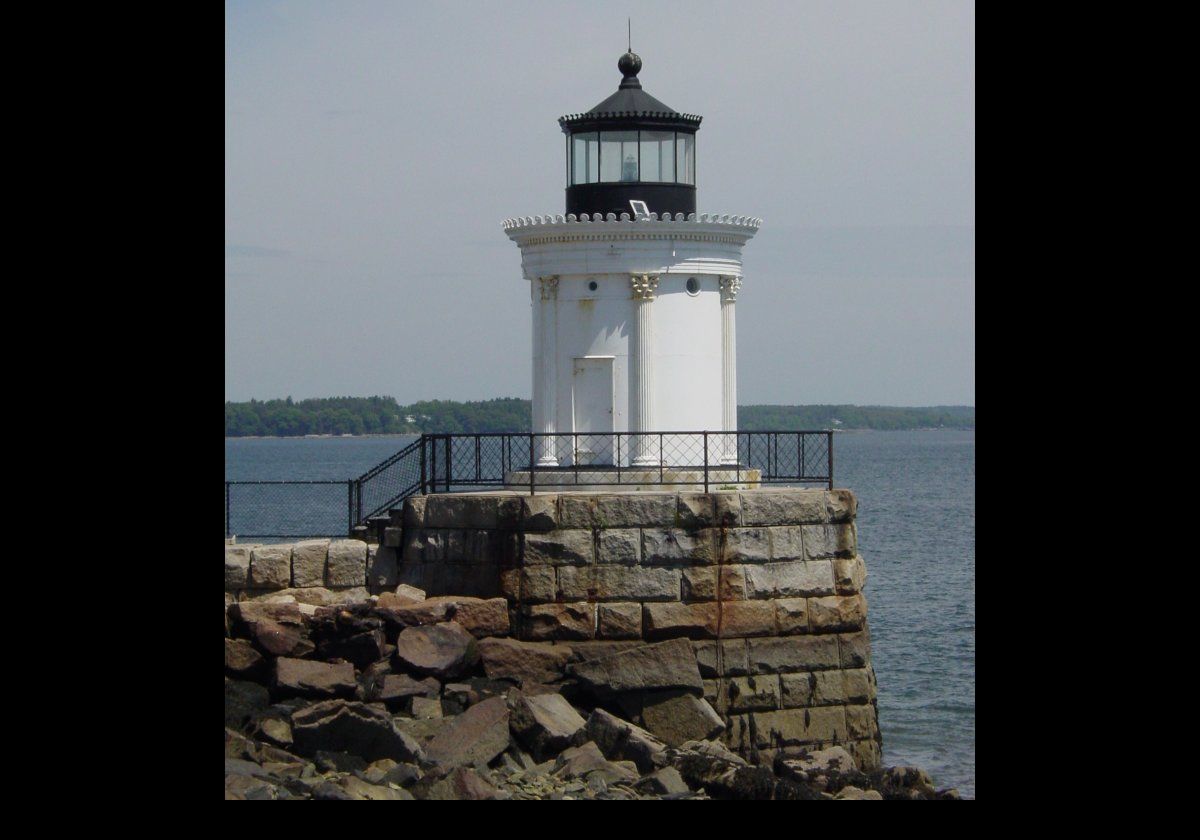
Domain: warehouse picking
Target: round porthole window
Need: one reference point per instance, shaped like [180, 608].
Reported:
[693, 286]
[592, 286]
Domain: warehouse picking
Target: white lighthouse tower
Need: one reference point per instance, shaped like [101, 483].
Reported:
[633, 294]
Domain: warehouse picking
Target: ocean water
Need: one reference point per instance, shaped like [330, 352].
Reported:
[916, 531]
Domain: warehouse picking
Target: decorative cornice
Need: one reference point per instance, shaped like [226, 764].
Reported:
[570, 218]
[730, 285]
[630, 237]
[617, 120]
[643, 286]
[666, 115]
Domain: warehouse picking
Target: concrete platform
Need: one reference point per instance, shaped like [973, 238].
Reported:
[636, 479]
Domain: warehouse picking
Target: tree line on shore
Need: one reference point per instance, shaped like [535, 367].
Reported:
[383, 415]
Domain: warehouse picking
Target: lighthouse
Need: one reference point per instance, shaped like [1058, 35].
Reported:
[634, 346]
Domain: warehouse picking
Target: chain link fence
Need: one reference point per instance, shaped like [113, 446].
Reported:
[289, 509]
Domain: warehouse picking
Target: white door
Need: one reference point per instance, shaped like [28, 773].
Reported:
[592, 410]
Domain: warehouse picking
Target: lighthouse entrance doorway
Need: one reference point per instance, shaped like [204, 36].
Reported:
[592, 410]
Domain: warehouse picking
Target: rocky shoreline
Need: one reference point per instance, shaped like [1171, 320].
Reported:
[398, 696]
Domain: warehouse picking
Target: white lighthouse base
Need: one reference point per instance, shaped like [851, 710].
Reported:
[634, 479]
[633, 331]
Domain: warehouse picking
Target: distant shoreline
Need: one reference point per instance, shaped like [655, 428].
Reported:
[376, 416]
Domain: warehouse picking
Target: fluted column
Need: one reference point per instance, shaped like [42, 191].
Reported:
[539, 399]
[642, 419]
[548, 287]
[729, 293]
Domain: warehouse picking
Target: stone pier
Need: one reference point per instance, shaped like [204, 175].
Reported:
[761, 589]
[766, 584]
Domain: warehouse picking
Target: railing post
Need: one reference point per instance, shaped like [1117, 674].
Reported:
[617, 455]
[423, 479]
[829, 461]
[737, 446]
[706, 462]
[350, 505]
[449, 462]
[227, 534]
[531, 459]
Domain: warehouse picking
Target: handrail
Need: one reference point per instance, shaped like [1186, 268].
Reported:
[387, 462]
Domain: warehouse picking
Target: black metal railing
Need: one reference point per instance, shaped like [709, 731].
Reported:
[704, 459]
[389, 482]
[441, 463]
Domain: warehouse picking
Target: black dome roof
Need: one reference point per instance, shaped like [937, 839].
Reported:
[629, 107]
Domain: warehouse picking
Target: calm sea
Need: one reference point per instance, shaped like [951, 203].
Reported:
[916, 530]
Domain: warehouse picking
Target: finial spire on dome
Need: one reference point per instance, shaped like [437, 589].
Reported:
[630, 63]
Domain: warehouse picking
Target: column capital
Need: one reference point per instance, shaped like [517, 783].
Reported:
[730, 286]
[643, 286]
[549, 286]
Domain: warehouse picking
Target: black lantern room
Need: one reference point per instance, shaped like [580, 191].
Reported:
[630, 147]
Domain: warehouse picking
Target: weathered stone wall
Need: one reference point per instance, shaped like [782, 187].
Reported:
[253, 571]
[767, 584]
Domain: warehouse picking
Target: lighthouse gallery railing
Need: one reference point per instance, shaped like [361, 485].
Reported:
[442, 463]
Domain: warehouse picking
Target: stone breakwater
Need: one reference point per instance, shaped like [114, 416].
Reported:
[553, 646]
[399, 696]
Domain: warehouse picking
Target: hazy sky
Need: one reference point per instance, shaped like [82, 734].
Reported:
[372, 151]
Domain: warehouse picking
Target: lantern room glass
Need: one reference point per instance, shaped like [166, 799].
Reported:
[657, 156]
[685, 157]
[618, 156]
[663, 157]
[585, 156]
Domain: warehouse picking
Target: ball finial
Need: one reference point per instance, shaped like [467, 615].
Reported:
[629, 64]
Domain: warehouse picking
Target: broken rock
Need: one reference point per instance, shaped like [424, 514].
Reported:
[523, 662]
[394, 689]
[359, 789]
[240, 657]
[829, 769]
[677, 717]
[665, 780]
[307, 678]
[463, 783]
[275, 629]
[545, 724]
[587, 761]
[619, 739]
[356, 728]
[443, 650]
[475, 737]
